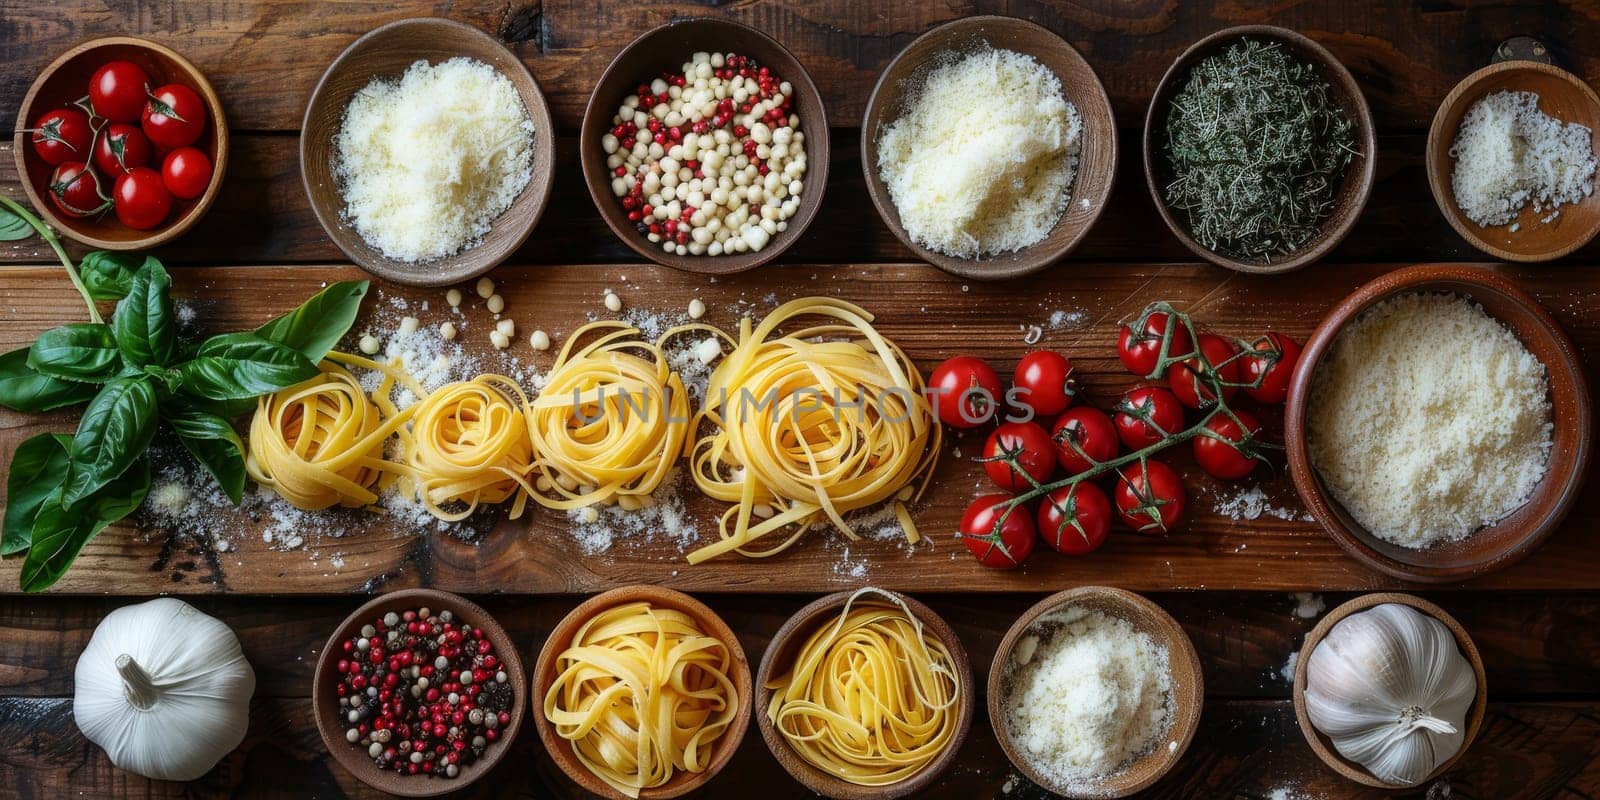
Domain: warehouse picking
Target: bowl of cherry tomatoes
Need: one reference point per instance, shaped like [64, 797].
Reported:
[121, 143]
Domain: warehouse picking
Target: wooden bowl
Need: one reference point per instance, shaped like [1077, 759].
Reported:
[1514, 537]
[65, 81]
[1353, 192]
[1188, 687]
[780, 656]
[1323, 746]
[1097, 163]
[682, 783]
[386, 52]
[665, 49]
[330, 725]
[1561, 95]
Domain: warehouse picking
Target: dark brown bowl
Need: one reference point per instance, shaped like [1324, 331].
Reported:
[1518, 535]
[65, 81]
[326, 704]
[1188, 686]
[1097, 163]
[780, 654]
[386, 52]
[682, 783]
[1353, 192]
[1323, 746]
[665, 49]
[1561, 95]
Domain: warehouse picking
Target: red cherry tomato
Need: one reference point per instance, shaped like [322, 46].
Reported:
[966, 391]
[1146, 414]
[1092, 433]
[1043, 382]
[142, 201]
[1150, 500]
[63, 135]
[1185, 377]
[1029, 446]
[1141, 351]
[75, 190]
[116, 91]
[1075, 519]
[998, 536]
[1226, 459]
[187, 172]
[174, 117]
[121, 147]
[1273, 368]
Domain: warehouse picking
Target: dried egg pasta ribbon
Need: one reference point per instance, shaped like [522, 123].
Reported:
[468, 444]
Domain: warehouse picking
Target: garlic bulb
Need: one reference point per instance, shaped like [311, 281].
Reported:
[164, 689]
[1390, 688]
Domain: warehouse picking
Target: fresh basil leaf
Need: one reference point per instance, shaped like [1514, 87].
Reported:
[227, 409]
[320, 322]
[24, 389]
[108, 275]
[114, 432]
[82, 351]
[240, 365]
[13, 228]
[60, 531]
[37, 469]
[145, 324]
[215, 444]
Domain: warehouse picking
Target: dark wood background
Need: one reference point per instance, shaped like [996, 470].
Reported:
[1227, 581]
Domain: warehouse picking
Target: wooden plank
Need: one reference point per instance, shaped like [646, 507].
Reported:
[928, 313]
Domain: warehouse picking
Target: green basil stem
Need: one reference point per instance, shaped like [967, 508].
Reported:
[61, 252]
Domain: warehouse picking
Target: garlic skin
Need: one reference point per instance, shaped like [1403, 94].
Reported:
[1391, 689]
[164, 689]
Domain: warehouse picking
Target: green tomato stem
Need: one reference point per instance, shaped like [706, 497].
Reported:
[50, 238]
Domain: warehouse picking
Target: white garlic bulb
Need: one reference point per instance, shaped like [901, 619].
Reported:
[164, 689]
[1391, 689]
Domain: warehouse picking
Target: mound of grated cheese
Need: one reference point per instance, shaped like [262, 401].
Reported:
[982, 158]
[1509, 153]
[1428, 420]
[426, 163]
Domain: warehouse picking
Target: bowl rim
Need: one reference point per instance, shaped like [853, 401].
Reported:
[1308, 486]
[1335, 229]
[357, 764]
[1181, 658]
[218, 129]
[1438, 169]
[539, 183]
[1018, 263]
[1464, 643]
[805, 621]
[596, 120]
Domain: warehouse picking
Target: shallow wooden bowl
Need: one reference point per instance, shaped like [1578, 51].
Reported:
[1323, 746]
[544, 676]
[1188, 686]
[780, 657]
[1519, 534]
[665, 49]
[65, 81]
[386, 52]
[1097, 163]
[1561, 95]
[1353, 192]
[326, 703]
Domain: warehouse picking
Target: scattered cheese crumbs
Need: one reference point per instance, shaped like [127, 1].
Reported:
[370, 344]
[613, 302]
[495, 304]
[507, 327]
[409, 325]
[1286, 672]
[1308, 605]
[1509, 153]
[453, 297]
[539, 341]
[697, 308]
[170, 496]
[448, 331]
[708, 350]
[1253, 503]
[485, 288]
[499, 340]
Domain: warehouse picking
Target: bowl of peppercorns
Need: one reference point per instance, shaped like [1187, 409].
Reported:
[419, 693]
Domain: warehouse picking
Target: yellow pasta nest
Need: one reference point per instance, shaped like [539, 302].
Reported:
[467, 445]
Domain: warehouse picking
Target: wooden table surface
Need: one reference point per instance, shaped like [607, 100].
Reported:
[1228, 581]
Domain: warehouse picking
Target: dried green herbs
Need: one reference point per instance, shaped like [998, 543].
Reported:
[1258, 145]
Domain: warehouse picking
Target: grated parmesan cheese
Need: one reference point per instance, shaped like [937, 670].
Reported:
[1509, 153]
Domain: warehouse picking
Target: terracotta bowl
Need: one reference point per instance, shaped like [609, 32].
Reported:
[1323, 746]
[386, 52]
[1188, 686]
[65, 81]
[1097, 163]
[1352, 193]
[1561, 95]
[665, 49]
[780, 657]
[355, 760]
[1519, 534]
[682, 783]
